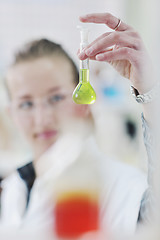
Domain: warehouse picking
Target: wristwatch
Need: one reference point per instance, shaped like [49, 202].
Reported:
[146, 97]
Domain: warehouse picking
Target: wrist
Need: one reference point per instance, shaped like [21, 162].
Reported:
[146, 97]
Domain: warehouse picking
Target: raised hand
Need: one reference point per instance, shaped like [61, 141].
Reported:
[122, 48]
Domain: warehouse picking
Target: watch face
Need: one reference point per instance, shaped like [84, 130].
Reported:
[140, 99]
[146, 97]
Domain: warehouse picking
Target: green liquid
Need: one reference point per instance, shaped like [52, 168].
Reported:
[84, 92]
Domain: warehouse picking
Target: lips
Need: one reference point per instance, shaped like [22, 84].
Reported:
[47, 134]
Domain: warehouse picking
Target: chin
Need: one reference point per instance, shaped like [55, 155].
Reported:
[44, 146]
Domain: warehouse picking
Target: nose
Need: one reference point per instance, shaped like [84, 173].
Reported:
[43, 117]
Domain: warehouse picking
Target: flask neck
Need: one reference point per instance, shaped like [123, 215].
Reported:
[84, 64]
[84, 75]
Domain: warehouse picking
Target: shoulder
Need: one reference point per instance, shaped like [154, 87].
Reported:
[12, 180]
[129, 181]
[12, 186]
[118, 171]
[123, 191]
[123, 182]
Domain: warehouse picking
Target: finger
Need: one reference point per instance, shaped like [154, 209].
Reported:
[94, 235]
[106, 18]
[118, 39]
[119, 54]
[82, 55]
[97, 39]
[94, 57]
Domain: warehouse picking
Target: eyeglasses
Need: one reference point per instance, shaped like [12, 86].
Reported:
[27, 107]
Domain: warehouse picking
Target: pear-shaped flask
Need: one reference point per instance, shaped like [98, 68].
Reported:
[84, 92]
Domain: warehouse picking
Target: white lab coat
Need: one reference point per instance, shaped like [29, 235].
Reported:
[121, 189]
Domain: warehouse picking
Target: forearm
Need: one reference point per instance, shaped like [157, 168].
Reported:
[148, 200]
[150, 116]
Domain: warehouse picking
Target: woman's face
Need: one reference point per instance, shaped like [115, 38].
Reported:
[41, 100]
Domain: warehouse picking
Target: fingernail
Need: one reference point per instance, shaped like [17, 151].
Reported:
[82, 54]
[83, 16]
[100, 57]
[89, 51]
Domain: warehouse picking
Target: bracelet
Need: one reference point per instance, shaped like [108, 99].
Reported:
[146, 97]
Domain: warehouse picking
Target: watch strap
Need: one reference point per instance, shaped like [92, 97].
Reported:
[146, 97]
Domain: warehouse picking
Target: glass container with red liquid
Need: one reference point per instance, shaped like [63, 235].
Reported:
[77, 194]
[76, 213]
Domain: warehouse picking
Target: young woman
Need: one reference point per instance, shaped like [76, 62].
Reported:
[40, 83]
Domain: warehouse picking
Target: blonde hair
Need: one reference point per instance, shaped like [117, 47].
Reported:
[44, 48]
[6, 135]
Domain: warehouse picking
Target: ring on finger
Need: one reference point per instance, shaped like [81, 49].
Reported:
[118, 25]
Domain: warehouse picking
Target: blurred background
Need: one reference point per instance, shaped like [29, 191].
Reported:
[25, 20]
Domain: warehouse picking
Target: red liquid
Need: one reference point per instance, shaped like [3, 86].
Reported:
[76, 215]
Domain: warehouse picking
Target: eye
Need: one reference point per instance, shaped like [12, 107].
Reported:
[56, 98]
[26, 105]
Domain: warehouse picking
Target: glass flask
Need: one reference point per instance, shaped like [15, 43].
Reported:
[84, 92]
